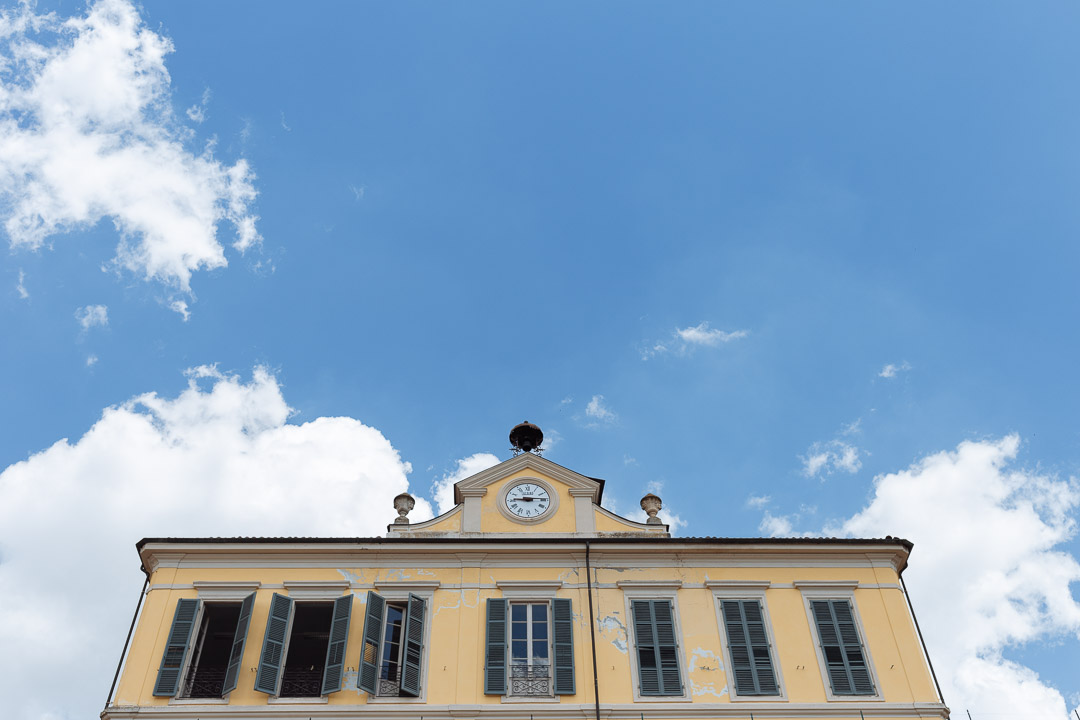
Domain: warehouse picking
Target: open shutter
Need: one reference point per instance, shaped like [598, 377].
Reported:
[495, 657]
[751, 661]
[236, 655]
[841, 647]
[172, 662]
[273, 650]
[658, 652]
[368, 678]
[562, 618]
[335, 649]
[413, 637]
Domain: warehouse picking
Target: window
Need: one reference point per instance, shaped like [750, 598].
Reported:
[208, 658]
[390, 662]
[536, 651]
[656, 647]
[210, 652]
[303, 651]
[841, 649]
[530, 649]
[748, 646]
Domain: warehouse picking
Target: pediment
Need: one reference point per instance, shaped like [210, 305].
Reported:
[533, 463]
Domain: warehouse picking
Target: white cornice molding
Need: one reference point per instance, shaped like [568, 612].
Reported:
[315, 589]
[224, 589]
[407, 584]
[661, 529]
[473, 492]
[826, 584]
[396, 529]
[738, 584]
[657, 584]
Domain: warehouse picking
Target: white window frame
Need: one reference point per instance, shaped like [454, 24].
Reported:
[529, 641]
[646, 590]
[837, 590]
[748, 591]
[399, 593]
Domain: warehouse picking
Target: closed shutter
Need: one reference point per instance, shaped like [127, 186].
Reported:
[172, 662]
[272, 657]
[495, 657]
[845, 661]
[413, 637]
[658, 652]
[335, 649]
[368, 677]
[236, 655]
[562, 618]
[748, 643]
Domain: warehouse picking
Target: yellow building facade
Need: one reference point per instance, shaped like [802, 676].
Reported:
[527, 600]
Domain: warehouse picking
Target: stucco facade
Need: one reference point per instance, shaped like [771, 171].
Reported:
[573, 612]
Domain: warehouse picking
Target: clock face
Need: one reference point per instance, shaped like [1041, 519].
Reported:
[528, 500]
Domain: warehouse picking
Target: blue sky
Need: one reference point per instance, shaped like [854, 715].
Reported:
[801, 268]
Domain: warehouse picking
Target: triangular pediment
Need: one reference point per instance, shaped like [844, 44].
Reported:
[534, 463]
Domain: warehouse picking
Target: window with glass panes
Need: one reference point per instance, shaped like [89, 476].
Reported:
[390, 664]
[530, 649]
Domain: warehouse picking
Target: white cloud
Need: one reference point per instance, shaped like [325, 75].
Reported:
[91, 360]
[20, 287]
[92, 316]
[988, 572]
[758, 501]
[597, 410]
[87, 133]
[218, 459]
[442, 490]
[197, 113]
[702, 335]
[776, 525]
[357, 191]
[686, 339]
[829, 457]
[890, 371]
[181, 307]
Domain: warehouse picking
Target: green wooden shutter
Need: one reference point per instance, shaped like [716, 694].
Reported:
[272, 659]
[748, 643]
[413, 637]
[495, 658]
[562, 618]
[368, 677]
[658, 652]
[845, 661]
[335, 649]
[172, 661]
[236, 656]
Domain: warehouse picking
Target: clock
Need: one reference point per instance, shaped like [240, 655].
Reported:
[528, 500]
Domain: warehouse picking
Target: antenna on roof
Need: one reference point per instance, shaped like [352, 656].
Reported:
[526, 437]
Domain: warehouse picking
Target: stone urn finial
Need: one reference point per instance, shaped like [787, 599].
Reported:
[651, 504]
[403, 503]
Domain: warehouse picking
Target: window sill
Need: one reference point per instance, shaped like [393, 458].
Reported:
[512, 699]
[199, 701]
[380, 699]
[320, 700]
[662, 698]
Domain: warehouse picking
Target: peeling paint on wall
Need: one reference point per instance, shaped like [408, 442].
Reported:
[459, 600]
[352, 577]
[705, 666]
[613, 630]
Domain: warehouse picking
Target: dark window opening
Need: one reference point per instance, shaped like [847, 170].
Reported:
[390, 667]
[306, 654]
[210, 653]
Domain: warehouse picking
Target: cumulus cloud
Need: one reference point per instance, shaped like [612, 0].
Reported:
[989, 533]
[218, 459]
[443, 489]
[989, 572]
[597, 410]
[92, 316]
[87, 133]
[890, 371]
[758, 501]
[684, 340]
